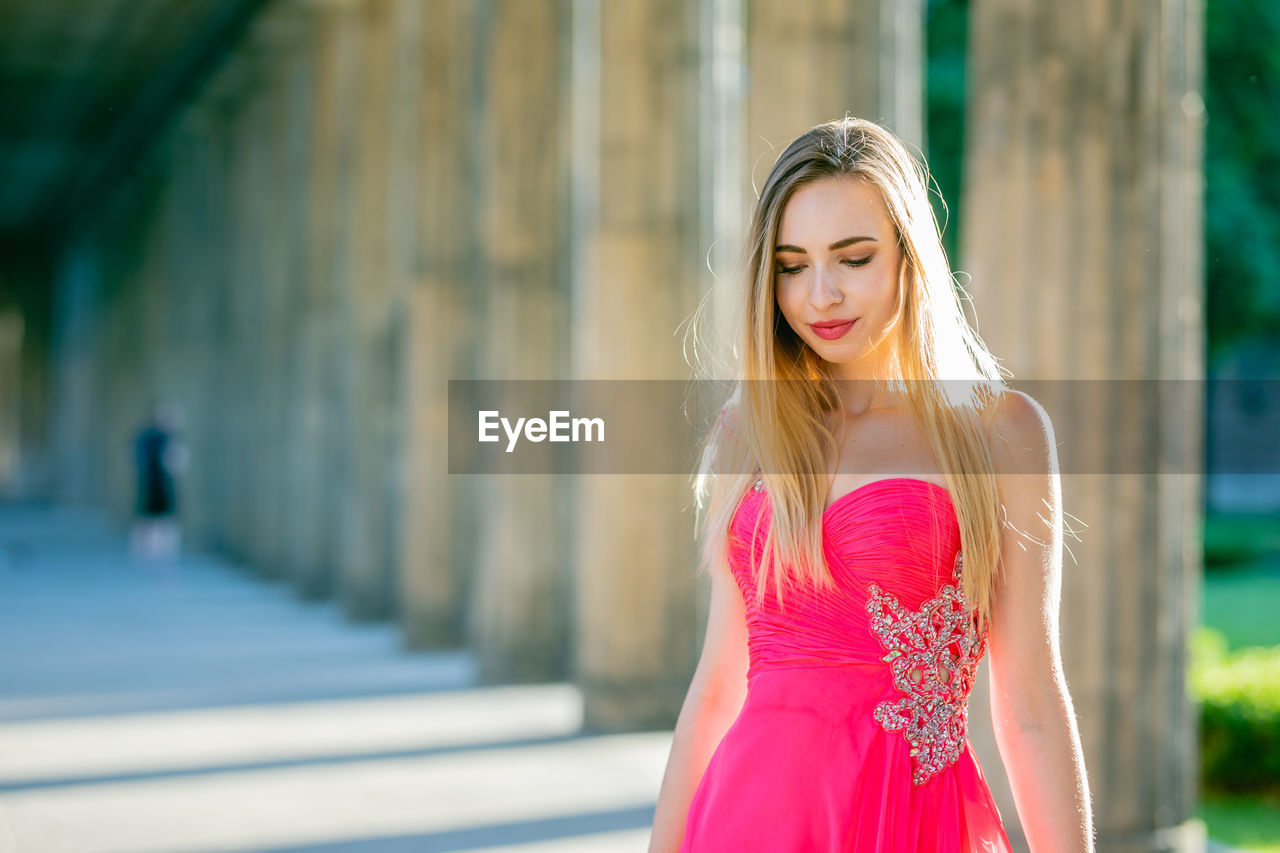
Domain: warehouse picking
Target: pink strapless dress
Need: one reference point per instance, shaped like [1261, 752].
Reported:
[853, 735]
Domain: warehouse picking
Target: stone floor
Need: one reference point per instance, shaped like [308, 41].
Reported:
[194, 707]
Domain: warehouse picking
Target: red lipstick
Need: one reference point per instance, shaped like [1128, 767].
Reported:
[830, 330]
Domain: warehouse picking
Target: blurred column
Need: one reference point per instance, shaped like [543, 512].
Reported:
[111, 430]
[285, 32]
[322, 471]
[280, 137]
[402, 181]
[439, 513]
[12, 321]
[238, 391]
[252, 309]
[367, 371]
[637, 261]
[193, 312]
[77, 349]
[270, 321]
[1082, 234]
[27, 360]
[520, 606]
[724, 145]
[275, 34]
[812, 60]
[216, 461]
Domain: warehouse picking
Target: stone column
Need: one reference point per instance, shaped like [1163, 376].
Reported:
[1082, 234]
[334, 126]
[293, 26]
[191, 313]
[105, 247]
[216, 457]
[406, 85]
[440, 513]
[77, 349]
[255, 298]
[280, 134]
[364, 333]
[238, 381]
[811, 61]
[35, 452]
[270, 130]
[637, 260]
[77, 318]
[12, 322]
[520, 608]
[26, 368]
[725, 168]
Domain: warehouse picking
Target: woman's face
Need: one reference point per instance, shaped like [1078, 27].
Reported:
[837, 262]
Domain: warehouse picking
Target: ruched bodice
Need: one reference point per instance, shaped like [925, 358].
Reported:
[909, 550]
[853, 735]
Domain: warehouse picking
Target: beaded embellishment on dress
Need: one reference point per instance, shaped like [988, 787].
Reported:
[934, 653]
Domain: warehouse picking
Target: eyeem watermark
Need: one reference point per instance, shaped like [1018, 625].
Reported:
[536, 429]
[1101, 427]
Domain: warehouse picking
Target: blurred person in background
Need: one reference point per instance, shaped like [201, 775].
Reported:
[159, 456]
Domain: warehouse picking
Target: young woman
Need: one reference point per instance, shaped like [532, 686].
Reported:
[883, 512]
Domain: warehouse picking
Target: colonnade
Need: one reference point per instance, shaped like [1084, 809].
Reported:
[372, 197]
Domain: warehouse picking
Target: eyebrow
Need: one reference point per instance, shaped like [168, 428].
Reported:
[839, 244]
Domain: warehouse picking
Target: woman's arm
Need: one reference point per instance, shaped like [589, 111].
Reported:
[1031, 710]
[714, 700]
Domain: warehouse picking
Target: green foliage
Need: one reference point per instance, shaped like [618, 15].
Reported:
[1242, 171]
[1242, 604]
[1236, 540]
[946, 29]
[1239, 697]
[1245, 823]
[1242, 159]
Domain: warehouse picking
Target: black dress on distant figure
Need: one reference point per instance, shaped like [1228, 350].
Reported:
[156, 497]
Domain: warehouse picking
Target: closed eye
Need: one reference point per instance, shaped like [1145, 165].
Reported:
[861, 262]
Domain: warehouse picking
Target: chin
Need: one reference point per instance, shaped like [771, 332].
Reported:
[841, 345]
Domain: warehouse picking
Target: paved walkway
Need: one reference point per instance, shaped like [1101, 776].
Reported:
[201, 709]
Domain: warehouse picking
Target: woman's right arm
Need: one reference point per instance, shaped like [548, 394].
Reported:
[715, 697]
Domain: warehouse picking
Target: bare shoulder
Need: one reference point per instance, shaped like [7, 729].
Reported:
[1020, 435]
[728, 429]
[729, 414]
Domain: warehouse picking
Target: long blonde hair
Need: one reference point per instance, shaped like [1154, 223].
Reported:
[775, 429]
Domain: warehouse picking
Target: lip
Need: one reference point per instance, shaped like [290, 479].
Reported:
[830, 330]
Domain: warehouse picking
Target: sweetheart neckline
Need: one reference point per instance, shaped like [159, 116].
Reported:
[852, 492]
[849, 494]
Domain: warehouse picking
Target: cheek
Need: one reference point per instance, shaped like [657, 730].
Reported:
[886, 289]
[785, 297]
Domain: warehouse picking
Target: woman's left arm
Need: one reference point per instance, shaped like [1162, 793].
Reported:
[1031, 710]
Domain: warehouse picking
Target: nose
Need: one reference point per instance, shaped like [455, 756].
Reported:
[824, 291]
